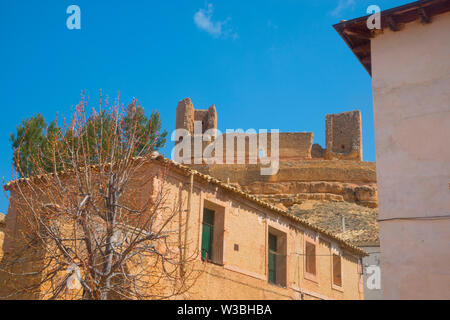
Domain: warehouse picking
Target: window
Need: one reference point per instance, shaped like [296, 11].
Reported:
[272, 258]
[310, 249]
[337, 273]
[277, 248]
[213, 228]
[208, 234]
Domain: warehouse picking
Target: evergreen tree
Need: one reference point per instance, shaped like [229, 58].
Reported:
[35, 137]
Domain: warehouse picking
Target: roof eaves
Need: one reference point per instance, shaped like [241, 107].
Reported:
[357, 36]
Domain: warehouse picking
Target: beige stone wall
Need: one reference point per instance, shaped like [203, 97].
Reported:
[186, 115]
[411, 81]
[341, 180]
[344, 135]
[243, 273]
[292, 146]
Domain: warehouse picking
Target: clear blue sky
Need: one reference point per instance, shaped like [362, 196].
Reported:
[264, 64]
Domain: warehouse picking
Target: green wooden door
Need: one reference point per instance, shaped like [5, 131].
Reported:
[207, 234]
[272, 258]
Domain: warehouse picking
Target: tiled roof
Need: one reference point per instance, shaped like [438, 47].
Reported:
[361, 223]
[186, 170]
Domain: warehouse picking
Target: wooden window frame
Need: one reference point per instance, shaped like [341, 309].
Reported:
[281, 263]
[209, 255]
[218, 242]
[308, 275]
[337, 253]
[272, 253]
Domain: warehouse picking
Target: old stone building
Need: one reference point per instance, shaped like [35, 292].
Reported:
[331, 187]
[250, 248]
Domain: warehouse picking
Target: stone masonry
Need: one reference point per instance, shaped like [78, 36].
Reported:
[306, 170]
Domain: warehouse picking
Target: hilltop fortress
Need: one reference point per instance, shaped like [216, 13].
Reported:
[306, 171]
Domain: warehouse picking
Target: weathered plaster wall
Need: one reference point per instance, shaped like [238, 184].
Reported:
[411, 92]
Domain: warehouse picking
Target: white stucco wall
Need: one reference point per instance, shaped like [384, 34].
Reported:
[411, 92]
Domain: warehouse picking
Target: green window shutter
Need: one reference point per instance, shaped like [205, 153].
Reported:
[206, 242]
[207, 234]
[272, 258]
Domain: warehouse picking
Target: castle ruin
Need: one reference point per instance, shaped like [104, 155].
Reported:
[343, 135]
[306, 170]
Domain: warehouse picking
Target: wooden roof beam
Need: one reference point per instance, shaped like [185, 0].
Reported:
[394, 26]
[362, 48]
[424, 17]
[356, 34]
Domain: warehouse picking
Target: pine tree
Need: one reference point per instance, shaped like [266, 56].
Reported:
[35, 137]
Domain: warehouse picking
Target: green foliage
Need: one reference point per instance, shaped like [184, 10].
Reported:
[147, 128]
[36, 144]
[31, 139]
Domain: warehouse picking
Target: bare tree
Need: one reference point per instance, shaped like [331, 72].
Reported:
[82, 233]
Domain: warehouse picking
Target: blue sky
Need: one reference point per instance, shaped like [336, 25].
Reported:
[264, 64]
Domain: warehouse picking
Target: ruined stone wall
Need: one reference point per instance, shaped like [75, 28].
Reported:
[306, 170]
[330, 180]
[344, 135]
[295, 145]
[292, 145]
[186, 115]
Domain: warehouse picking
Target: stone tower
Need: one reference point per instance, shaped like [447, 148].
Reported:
[344, 135]
[186, 115]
